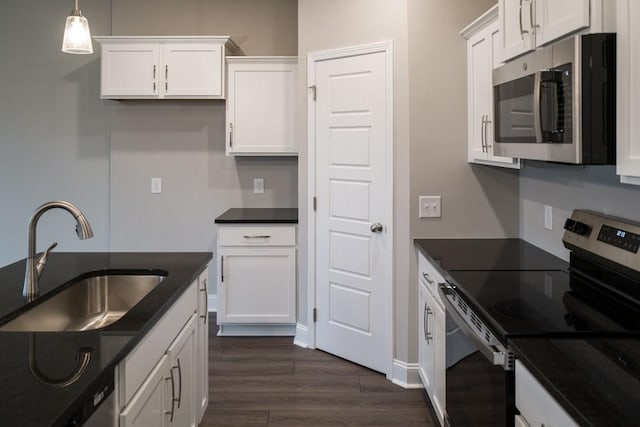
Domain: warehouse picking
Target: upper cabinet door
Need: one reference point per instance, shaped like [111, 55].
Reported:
[189, 67]
[193, 70]
[260, 106]
[516, 22]
[130, 69]
[479, 96]
[555, 19]
[628, 92]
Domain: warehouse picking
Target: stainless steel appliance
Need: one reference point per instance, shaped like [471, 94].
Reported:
[597, 296]
[558, 103]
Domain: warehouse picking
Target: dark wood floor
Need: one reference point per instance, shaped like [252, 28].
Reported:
[269, 381]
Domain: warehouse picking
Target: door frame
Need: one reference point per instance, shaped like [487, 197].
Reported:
[312, 59]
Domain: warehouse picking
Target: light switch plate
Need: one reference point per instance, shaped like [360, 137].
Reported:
[258, 186]
[429, 206]
[156, 185]
[548, 217]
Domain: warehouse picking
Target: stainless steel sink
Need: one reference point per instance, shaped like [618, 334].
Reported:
[91, 303]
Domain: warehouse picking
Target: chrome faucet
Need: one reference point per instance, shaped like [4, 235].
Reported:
[34, 267]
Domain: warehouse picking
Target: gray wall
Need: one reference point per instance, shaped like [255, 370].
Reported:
[565, 188]
[477, 201]
[54, 130]
[183, 142]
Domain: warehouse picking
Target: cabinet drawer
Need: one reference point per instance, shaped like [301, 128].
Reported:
[257, 235]
[429, 275]
[535, 403]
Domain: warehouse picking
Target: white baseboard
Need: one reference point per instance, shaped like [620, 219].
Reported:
[213, 303]
[257, 330]
[406, 374]
[302, 336]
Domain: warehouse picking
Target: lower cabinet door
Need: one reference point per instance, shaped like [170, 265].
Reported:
[425, 355]
[257, 285]
[182, 365]
[147, 407]
[437, 323]
[202, 371]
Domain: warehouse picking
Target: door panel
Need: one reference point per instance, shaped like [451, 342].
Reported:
[556, 19]
[353, 273]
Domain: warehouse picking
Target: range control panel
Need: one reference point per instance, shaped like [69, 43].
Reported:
[620, 238]
[612, 238]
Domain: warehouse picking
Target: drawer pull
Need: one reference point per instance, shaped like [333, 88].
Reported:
[428, 279]
[265, 236]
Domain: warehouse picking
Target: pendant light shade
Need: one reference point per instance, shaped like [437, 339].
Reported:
[77, 37]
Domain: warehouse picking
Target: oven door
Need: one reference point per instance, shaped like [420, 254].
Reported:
[480, 391]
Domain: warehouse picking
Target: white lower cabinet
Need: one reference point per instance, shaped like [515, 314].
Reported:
[537, 407]
[182, 367]
[147, 407]
[160, 383]
[202, 395]
[432, 329]
[257, 274]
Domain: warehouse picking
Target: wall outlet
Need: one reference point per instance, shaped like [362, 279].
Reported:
[258, 186]
[548, 217]
[156, 185]
[429, 206]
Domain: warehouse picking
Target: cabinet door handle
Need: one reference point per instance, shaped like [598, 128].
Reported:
[533, 24]
[230, 134]
[427, 335]
[257, 236]
[206, 302]
[222, 268]
[173, 396]
[154, 71]
[482, 133]
[522, 30]
[486, 126]
[424, 322]
[179, 368]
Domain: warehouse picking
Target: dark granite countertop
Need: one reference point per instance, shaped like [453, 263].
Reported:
[24, 400]
[259, 216]
[596, 380]
[487, 254]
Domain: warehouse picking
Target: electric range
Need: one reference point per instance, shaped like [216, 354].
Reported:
[598, 295]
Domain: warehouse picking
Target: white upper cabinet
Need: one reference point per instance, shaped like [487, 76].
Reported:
[483, 55]
[260, 106]
[527, 24]
[163, 67]
[628, 92]
[516, 21]
[554, 18]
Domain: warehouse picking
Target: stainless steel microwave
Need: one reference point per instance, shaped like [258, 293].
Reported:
[558, 103]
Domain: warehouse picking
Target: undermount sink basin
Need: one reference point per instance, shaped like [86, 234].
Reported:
[90, 303]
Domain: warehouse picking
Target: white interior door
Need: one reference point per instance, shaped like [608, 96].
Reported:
[353, 152]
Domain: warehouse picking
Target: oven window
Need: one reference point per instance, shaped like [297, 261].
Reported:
[513, 104]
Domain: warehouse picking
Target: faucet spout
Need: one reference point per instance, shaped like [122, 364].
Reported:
[31, 290]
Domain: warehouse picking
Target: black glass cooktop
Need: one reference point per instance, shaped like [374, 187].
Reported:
[542, 303]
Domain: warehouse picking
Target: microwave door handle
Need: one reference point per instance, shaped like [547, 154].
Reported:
[537, 106]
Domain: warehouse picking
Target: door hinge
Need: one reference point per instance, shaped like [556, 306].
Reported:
[315, 203]
[314, 89]
[315, 314]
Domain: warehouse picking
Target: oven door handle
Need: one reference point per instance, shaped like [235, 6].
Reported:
[497, 356]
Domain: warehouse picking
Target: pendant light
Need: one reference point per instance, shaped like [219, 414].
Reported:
[77, 37]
